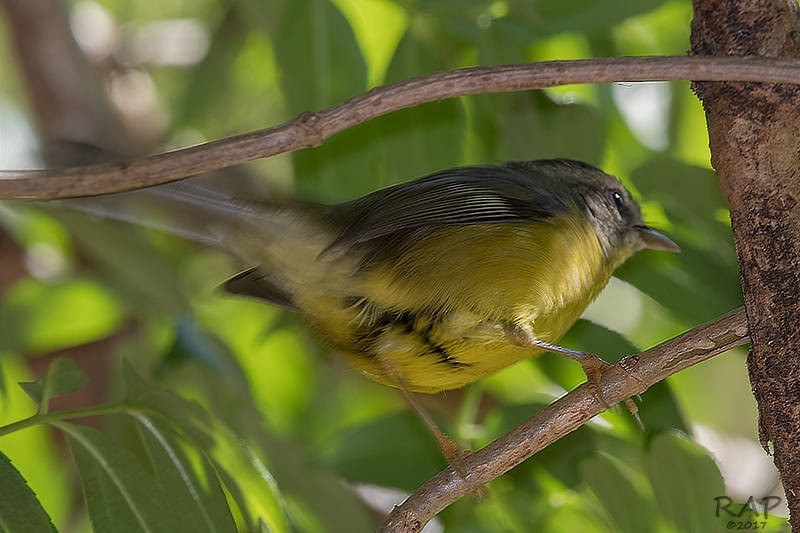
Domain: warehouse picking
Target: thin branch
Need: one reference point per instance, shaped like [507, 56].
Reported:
[632, 375]
[311, 129]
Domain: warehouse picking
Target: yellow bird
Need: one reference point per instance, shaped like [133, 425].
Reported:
[435, 283]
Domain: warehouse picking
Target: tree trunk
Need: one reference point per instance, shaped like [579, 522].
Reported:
[754, 133]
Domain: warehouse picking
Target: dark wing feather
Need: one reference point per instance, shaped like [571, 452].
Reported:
[461, 196]
[252, 283]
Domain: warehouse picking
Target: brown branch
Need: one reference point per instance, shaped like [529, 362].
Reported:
[311, 129]
[632, 375]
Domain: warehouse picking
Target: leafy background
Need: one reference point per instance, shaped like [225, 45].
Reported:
[206, 412]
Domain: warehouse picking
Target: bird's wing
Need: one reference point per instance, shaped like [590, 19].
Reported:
[463, 196]
[252, 282]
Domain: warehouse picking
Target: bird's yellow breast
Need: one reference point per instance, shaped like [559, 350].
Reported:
[436, 314]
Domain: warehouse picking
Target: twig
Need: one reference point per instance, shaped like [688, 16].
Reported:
[632, 375]
[311, 129]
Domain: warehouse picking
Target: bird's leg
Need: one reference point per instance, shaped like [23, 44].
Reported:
[453, 453]
[592, 365]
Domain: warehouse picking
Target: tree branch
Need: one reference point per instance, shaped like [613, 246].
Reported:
[632, 375]
[311, 129]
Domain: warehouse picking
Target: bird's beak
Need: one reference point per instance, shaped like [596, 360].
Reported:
[654, 240]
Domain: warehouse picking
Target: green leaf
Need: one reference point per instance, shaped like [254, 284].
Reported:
[196, 99]
[561, 459]
[394, 451]
[692, 200]
[433, 133]
[120, 494]
[588, 16]
[147, 281]
[20, 511]
[320, 64]
[530, 126]
[630, 507]
[319, 58]
[189, 416]
[3, 387]
[685, 481]
[236, 465]
[193, 343]
[63, 376]
[201, 503]
[37, 317]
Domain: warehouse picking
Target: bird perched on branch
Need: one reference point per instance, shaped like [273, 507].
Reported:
[435, 283]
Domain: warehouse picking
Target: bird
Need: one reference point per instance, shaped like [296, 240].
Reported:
[434, 283]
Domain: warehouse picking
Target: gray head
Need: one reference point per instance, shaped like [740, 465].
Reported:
[604, 201]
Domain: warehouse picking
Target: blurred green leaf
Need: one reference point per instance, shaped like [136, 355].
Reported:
[685, 481]
[418, 141]
[63, 376]
[318, 56]
[706, 269]
[589, 16]
[37, 317]
[560, 460]
[192, 343]
[20, 510]
[227, 40]
[630, 507]
[395, 451]
[142, 276]
[530, 126]
[318, 76]
[120, 494]
[3, 387]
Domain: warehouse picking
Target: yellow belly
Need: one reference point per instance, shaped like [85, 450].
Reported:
[436, 316]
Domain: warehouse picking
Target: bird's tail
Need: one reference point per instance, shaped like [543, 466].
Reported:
[282, 242]
[185, 209]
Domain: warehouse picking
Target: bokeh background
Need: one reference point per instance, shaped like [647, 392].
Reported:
[225, 412]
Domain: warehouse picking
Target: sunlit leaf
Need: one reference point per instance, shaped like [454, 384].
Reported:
[37, 317]
[329, 71]
[200, 500]
[236, 465]
[378, 25]
[20, 510]
[63, 376]
[3, 387]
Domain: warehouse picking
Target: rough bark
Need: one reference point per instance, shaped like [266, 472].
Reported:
[754, 134]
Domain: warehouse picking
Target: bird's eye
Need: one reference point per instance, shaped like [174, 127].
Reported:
[619, 200]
